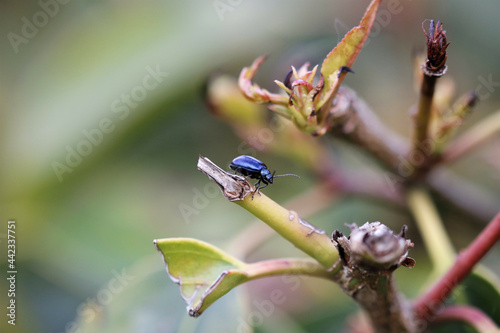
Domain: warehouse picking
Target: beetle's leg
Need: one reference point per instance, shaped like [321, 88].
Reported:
[257, 186]
[263, 186]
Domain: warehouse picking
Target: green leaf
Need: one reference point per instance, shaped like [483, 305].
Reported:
[344, 54]
[203, 272]
[482, 289]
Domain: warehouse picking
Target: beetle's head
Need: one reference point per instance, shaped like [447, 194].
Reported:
[267, 177]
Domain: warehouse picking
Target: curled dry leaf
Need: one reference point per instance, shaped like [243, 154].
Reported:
[308, 104]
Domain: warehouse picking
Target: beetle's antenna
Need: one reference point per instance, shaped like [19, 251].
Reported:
[287, 174]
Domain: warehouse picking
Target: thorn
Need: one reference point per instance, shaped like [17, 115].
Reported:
[345, 69]
[403, 232]
[288, 79]
[408, 262]
[336, 235]
[342, 255]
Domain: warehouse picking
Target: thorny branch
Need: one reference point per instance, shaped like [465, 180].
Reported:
[365, 265]
[362, 264]
[286, 223]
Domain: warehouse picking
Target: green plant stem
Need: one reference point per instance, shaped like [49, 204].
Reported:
[427, 305]
[479, 134]
[423, 116]
[315, 200]
[309, 239]
[286, 266]
[432, 230]
[469, 315]
[308, 203]
[306, 237]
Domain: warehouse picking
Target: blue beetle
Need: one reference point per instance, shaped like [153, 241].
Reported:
[253, 168]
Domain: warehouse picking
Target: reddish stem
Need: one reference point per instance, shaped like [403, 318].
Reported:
[467, 314]
[428, 304]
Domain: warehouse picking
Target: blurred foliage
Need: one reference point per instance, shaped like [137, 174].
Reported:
[74, 234]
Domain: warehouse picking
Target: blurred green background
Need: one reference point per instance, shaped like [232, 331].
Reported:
[85, 255]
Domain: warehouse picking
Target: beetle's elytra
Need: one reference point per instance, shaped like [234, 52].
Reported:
[255, 169]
